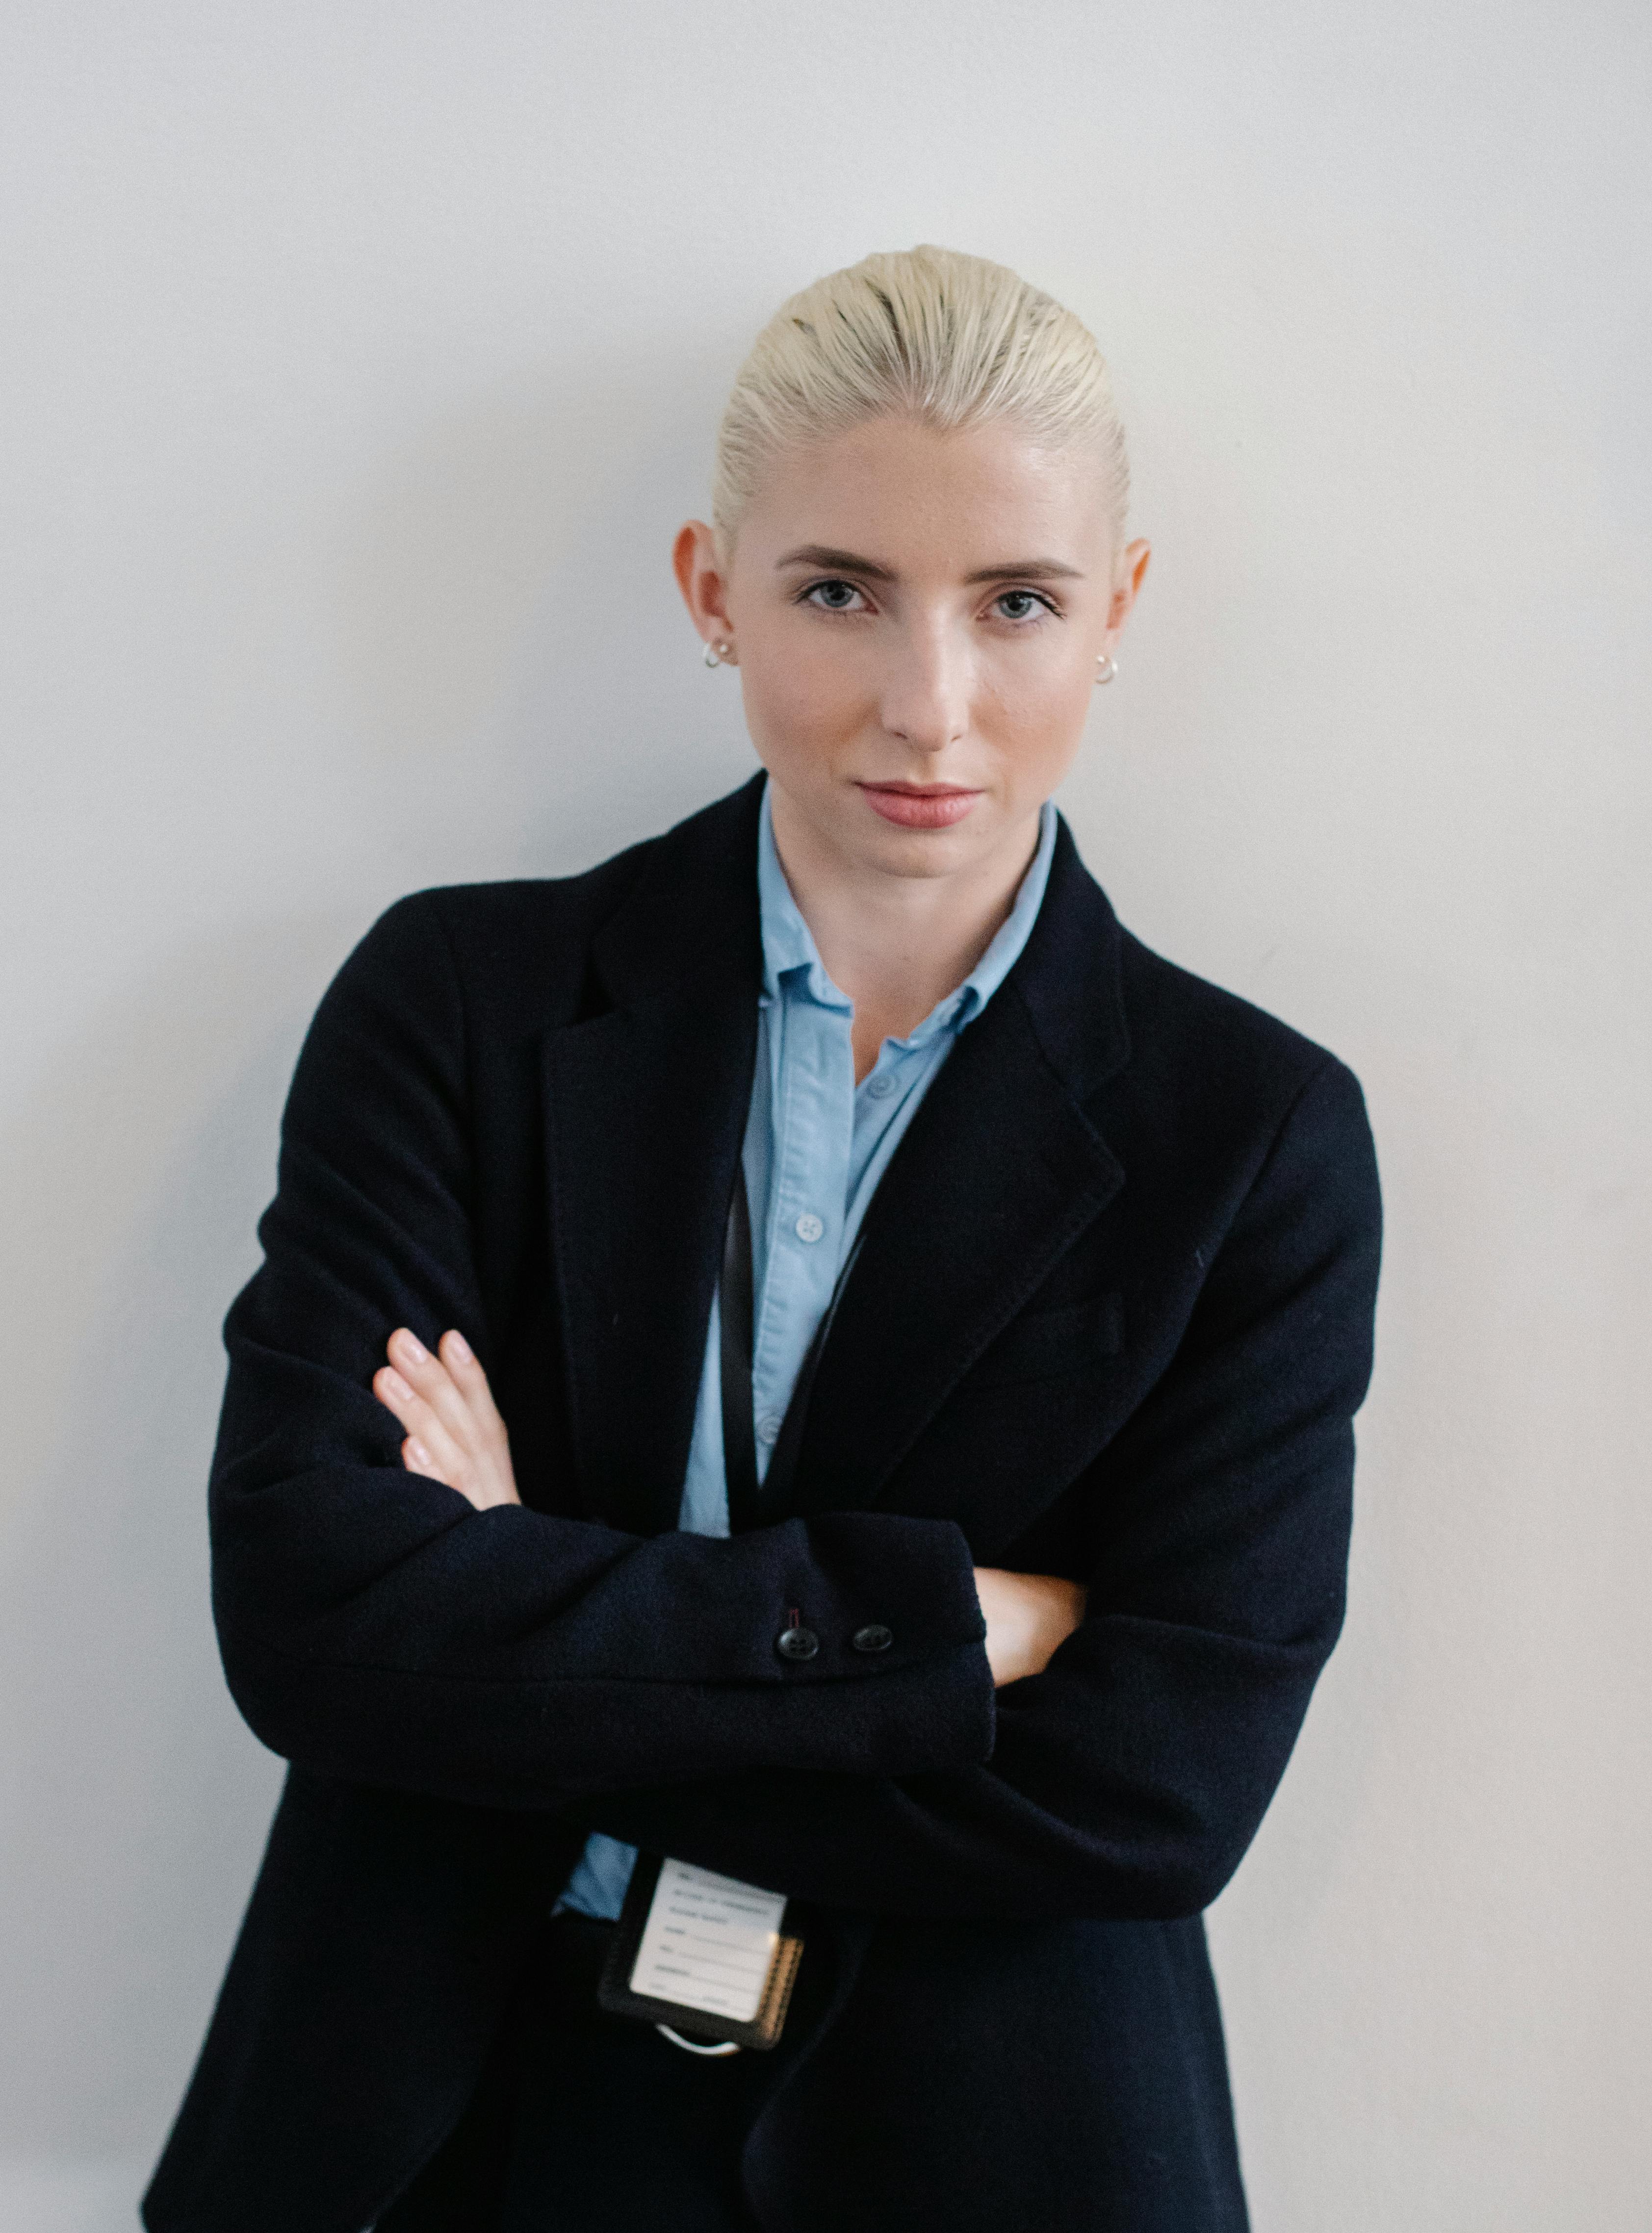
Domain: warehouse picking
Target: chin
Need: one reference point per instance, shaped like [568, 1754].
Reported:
[915, 852]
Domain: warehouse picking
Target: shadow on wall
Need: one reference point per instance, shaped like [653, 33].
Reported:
[513, 653]
[513, 689]
[137, 1802]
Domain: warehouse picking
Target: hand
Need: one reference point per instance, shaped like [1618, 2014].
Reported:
[455, 1433]
[1027, 1616]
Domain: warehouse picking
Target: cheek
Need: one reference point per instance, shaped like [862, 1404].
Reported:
[1039, 721]
[797, 708]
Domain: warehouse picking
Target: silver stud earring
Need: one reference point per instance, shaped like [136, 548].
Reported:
[716, 653]
[1109, 666]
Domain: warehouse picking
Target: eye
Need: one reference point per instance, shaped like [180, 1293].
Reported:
[1021, 605]
[832, 597]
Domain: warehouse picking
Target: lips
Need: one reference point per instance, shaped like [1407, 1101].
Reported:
[920, 805]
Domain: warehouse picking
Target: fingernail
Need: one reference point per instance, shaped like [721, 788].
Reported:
[420, 1453]
[395, 1384]
[412, 1349]
[460, 1347]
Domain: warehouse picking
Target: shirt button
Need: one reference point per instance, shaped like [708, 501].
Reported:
[796, 1643]
[874, 1638]
[769, 1428]
[809, 1226]
[881, 1086]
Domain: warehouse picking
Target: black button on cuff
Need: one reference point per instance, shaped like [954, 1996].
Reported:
[796, 1643]
[874, 1638]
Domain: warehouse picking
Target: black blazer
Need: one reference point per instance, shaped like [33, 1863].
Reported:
[1111, 1320]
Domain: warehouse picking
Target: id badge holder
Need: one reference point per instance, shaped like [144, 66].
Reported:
[701, 1954]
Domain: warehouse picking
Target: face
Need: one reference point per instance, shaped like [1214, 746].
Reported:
[917, 618]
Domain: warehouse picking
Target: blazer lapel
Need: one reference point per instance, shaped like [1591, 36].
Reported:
[1000, 1173]
[646, 1106]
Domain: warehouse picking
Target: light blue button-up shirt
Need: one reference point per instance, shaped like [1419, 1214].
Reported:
[816, 1145]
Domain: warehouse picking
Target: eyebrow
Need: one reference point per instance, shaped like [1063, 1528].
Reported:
[1029, 569]
[842, 561]
[848, 561]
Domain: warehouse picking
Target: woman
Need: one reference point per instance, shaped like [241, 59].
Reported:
[807, 1353]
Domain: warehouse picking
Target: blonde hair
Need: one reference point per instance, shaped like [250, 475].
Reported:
[950, 340]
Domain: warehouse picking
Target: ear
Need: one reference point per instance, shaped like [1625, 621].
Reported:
[699, 567]
[1132, 571]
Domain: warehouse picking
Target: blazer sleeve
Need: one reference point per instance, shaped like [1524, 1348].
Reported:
[1128, 1779]
[373, 1626]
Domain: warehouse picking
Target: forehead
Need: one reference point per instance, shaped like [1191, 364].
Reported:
[922, 501]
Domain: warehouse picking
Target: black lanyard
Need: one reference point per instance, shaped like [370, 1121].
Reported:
[748, 1505]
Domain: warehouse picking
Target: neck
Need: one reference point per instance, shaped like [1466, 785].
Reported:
[896, 945]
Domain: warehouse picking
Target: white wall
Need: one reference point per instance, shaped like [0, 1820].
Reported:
[359, 361]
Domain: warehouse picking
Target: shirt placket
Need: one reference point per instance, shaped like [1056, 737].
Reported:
[813, 1116]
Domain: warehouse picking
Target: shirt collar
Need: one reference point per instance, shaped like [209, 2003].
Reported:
[789, 944]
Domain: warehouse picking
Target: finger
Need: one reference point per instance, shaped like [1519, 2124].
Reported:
[416, 1459]
[394, 1392]
[466, 1372]
[412, 1413]
[429, 1378]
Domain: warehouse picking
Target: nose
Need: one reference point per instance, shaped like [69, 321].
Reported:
[927, 689]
